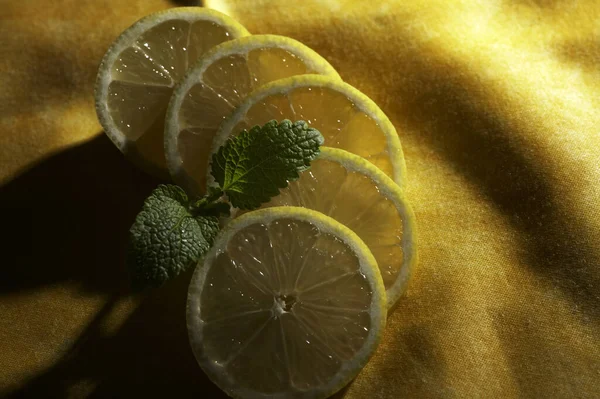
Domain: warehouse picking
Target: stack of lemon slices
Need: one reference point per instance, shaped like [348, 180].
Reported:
[292, 299]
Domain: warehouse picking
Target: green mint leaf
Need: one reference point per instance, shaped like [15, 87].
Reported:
[252, 167]
[167, 238]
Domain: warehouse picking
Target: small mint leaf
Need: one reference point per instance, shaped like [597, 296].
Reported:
[252, 167]
[166, 239]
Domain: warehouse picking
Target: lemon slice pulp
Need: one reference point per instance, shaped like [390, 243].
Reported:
[287, 303]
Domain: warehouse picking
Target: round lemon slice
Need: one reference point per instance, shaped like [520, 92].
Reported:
[347, 118]
[137, 75]
[355, 193]
[217, 84]
[288, 303]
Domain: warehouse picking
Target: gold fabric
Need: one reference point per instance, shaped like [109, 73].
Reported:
[497, 107]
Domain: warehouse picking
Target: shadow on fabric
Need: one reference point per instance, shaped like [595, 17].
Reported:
[148, 356]
[68, 219]
[187, 3]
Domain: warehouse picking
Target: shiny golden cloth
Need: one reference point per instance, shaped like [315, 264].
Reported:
[497, 104]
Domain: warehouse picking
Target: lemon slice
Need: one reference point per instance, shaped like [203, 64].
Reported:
[347, 118]
[288, 303]
[216, 85]
[355, 193]
[137, 75]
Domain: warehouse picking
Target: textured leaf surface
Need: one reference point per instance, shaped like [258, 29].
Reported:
[166, 239]
[252, 167]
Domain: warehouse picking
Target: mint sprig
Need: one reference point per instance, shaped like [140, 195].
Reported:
[172, 232]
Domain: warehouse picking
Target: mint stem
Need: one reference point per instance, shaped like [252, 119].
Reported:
[214, 195]
[211, 204]
[208, 200]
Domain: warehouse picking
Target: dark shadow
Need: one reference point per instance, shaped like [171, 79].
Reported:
[543, 4]
[68, 217]
[423, 371]
[584, 53]
[342, 393]
[187, 3]
[148, 357]
[534, 358]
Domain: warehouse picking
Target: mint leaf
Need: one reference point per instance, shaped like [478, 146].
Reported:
[167, 238]
[252, 167]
